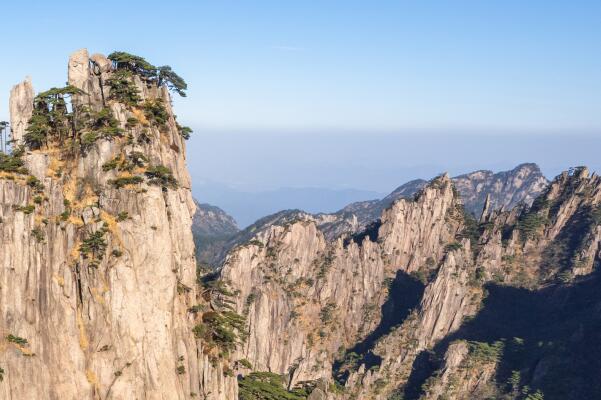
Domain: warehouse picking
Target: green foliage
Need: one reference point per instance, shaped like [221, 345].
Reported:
[184, 131]
[54, 95]
[160, 175]
[50, 116]
[181, 370]
[94, 244]
[38, 129]
[266, 386]
[326, 313]
[123, 89]
[486, 352]
[226, 329]
[12, 163]
[538, 395]
[122, 216]
[453, 246]
[514, 380]
[154, 111]
[100, 124]
[88, 139]
[125, 180]
[38, 234]
[1, 374]
[34, 183]
[163, 75]
[529, 224]
[17, 340]
[133, 160]
[136, 64]
[245, 363]
[28, 209]
[174, 82]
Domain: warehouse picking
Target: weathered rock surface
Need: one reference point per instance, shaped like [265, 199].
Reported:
[354, 307]
[505, 190]
[105, 316]
[21, 108]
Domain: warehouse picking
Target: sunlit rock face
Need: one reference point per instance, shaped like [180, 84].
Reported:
[97, 276]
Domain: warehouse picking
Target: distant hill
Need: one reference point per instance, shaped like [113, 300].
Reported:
[211, 227]
[506, 190]
[247, 207]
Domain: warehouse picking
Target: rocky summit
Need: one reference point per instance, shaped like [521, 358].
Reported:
[482, 286]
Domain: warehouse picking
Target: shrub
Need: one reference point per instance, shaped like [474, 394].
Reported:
[486, 352]
[266, 385]
[173, 82]
[161, 176]
[453, 246]
[38, 234]
[16, 339]
[98, 125]
[529, 224]
[154, 111]
[12, 163]
[94, 244]
[34, 183]
[123, 89]
[122, 216]
[184, 131]
[326, 313]
[136, 64]
[125, 180]
[28, 209]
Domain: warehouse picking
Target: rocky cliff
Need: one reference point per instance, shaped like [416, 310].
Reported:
[100, 296]
[428, 302]
[505, 189]
[97, 269]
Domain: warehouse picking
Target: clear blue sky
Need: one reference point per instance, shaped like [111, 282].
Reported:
[317, 70]
[375, 65]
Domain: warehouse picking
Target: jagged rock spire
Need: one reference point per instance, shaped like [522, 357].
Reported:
[486, 210]
[81, 75]
[21, 108]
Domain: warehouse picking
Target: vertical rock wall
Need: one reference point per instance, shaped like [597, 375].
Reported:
[113, 325]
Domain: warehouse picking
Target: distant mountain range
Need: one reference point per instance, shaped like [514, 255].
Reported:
[248, 206]
[216, 232]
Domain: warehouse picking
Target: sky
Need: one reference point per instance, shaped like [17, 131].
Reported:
[349, 94]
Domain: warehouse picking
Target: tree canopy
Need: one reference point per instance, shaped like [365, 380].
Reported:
[163, 75]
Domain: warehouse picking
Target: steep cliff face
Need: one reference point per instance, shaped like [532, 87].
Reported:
[406, 308]
[97, 271]
[307, 299]
[506, 189]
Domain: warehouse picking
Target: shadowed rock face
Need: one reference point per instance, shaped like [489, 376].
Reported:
[21, 108]
[96, 277]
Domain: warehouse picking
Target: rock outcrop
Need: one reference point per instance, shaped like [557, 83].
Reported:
[97, 269]
[368, 310]
[21, 108]
[504, 190]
